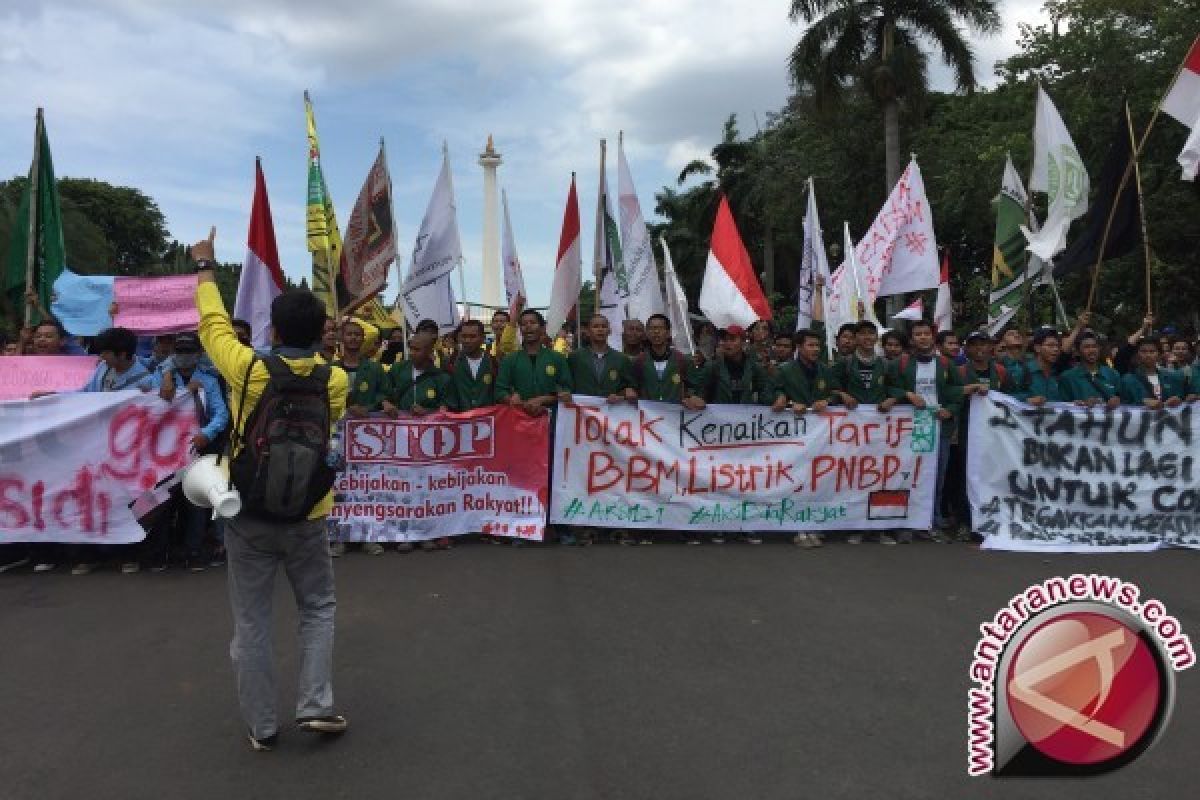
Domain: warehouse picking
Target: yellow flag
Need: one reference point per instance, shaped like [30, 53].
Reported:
[324, 238]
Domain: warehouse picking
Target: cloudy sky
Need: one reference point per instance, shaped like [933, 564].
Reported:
[177, 97]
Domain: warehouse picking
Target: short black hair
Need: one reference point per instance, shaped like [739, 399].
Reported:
[1049, 333]
[803, 335]
[54, 323]
[536, 314]
[118, 341]
[1084, 335]
[427, 325]
[665, 319]
[1146, 341]
[298, 318]
[241, 323]
[899, 336]
[474, 323]
[594, 314]
[865, 325]
[782, 335]
[942, 336]
[921, 323]
[849, 327]
[499, 312]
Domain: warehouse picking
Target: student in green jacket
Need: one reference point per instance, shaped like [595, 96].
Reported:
[862, 377]
[1091, 382]
[1036, 382]
[662, 373]
[598, 370]
[1147, 384]
[927, 379]
[805, 384]
[367, 380]
[473, 371]
[416, 385]
[534, 377]
[734, 376]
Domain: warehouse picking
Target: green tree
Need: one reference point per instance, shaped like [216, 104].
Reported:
[877, 45]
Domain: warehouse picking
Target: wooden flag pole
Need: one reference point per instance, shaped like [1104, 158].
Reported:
[1137, 176]
[31, 244]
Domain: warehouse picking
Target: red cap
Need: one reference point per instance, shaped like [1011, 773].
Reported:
[736, 330]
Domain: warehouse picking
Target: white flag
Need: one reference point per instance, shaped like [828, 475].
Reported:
[898, 254]
[427, 292]
[813, 262]
[1059, 172]
[514, 280]
[1189, 157]
[612, 290]
[844, 298]
[645, 294]
[677, 305]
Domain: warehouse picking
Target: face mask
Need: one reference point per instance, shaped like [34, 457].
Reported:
[187, 361]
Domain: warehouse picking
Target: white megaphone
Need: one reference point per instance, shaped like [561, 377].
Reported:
[206, 484]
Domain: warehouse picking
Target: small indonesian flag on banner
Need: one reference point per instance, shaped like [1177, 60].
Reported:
[731, 294]
[888, 504]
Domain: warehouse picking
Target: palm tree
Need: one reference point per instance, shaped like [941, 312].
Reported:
[877, 43]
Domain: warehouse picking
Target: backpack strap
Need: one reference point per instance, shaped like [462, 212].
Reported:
[235, 435]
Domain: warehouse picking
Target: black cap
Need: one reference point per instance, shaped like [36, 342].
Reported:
[187, 342]
[978, 336]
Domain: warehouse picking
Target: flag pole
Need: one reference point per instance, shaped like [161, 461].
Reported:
[1137, 176]
[31, 244]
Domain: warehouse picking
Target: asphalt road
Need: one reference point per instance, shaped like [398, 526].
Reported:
[490, 672]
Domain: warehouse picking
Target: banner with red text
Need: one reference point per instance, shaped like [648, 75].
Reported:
[415, 478]
[70, 465]
[742, 468]
[21, 376]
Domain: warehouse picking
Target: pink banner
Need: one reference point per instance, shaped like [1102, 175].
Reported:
[21, 376]
[150, 306]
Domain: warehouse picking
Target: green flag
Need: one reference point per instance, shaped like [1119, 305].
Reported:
[1012, 266]
[39, 217]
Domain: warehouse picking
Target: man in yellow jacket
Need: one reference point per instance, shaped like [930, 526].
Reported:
[257, 547]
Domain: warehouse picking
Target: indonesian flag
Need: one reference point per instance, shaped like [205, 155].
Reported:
[730, 294]
[1183, 103]
[912, 312]
[262, 279]
[564, 293]
[943, 312]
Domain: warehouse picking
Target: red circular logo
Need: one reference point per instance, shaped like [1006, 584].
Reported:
[1084, 688]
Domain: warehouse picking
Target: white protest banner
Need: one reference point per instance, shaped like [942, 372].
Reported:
[21, 376]
[70, 465]
[1063, 478]
[747, 468]
[414, 478]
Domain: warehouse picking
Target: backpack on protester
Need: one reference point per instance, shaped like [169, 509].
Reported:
[282, 469]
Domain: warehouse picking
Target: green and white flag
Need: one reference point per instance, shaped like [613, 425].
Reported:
[38, 220]
[1012, 265]
[1059, 172]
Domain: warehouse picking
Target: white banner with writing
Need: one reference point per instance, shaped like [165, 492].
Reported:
[71, 464]
[1061, 478]
[742, 468]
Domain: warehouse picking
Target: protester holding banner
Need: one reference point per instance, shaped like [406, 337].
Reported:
[733, 376]
[895, 344]
[597, 370]
[845, 342]
[1036, 381]
[1090, 382]
[118, 368]
[535, 376]
[928, 380]
[862, 377]
[661, 372]
[1147, 384]
[181, 372]
[633, 337]
[416, 385]
[258, 546]
[366, 377]
[473, 373]
[783, 350]
[980, 374]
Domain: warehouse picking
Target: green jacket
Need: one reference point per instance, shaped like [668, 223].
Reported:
[1029, 381]
[1135, 388]
[996, 377]
[849, 378]
[472, 391]
[1078, 384]
[546, 373]
[794, 383]
[902, 379]
[615, 374]
[676, 382]
[368, 383]
[430, 390]
[715, 384]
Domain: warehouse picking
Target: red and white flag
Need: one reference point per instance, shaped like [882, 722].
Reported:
[261, 280]
[730, 294]
[1183, 103]
[943, 311]
[568, 270]
[912, 312]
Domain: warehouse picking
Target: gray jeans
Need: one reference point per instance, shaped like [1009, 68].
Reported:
[255, 550]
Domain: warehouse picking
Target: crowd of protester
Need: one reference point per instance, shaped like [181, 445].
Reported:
[516, 362]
